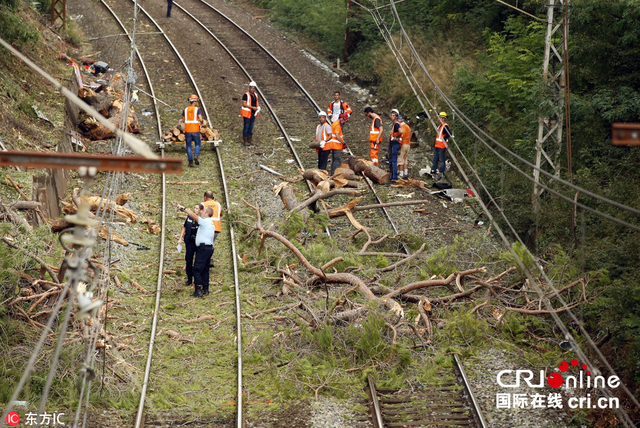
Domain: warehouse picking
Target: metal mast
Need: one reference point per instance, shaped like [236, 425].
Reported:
[550, 122]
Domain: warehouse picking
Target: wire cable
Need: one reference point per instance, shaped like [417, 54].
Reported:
[543, 297]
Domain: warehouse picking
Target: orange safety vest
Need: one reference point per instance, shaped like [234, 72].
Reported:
[440, 143]
[405, 134]
[217, 210]
[334, 143]
[322, 134]
[374, 133]
[191, 123]
[246, 112]
[344, 108]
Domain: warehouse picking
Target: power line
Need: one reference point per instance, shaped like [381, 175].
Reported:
[543, 297]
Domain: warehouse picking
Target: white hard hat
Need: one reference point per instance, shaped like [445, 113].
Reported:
[252, 83]
[322, 113]
[395, 111]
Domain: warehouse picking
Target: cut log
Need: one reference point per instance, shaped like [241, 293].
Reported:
[358, 165]
[182, 138]
[315, 175]
[114, 236]
[24, 205]
[376, 174]
[289, 198]
[175, 132]
[59, 224]
[346, 173]
[123, 198]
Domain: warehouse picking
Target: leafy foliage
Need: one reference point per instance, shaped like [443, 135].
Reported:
[12, 28]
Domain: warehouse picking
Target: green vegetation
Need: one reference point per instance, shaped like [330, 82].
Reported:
[13, 28]
[488, 59]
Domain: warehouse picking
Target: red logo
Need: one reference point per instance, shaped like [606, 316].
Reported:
[555, 379]
[13, 419]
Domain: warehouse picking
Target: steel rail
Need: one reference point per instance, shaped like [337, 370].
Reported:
[159, 283]
[231, 229]
[309, 98]
[264, 98]
[376, 412]
[467, 386]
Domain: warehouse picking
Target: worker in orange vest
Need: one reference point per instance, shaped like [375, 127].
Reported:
[323, 136]
[192, 119]
[442, 142]
[336, 144]
[338, 107]
[375, 134]
[249, 111]
[405, 144]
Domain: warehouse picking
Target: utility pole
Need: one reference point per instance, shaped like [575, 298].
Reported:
[549, 140]
[59, 10]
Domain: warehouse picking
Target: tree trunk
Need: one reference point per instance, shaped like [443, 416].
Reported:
[378, 175]
[357, 165]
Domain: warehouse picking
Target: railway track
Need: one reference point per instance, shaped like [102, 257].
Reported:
[278, 88]
[169, 91]
[450, 404]
[280, 93]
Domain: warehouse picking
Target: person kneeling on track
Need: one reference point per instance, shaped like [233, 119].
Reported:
[205, 238]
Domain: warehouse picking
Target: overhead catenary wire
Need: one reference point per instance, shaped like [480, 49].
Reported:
[501, 146]
[547, 303]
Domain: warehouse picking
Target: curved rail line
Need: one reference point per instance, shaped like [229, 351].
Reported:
[286, 102]
[449, 404]
[231, 229]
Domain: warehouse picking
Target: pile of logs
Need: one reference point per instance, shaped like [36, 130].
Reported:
[108, 100]
[176, 134]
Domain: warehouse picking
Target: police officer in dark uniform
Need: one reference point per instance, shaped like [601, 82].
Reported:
[188, 236]
[204, 249]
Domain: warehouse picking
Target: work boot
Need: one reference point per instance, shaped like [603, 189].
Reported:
[196, 160]
[188, 282]
[191, 163]
[244, 141]
[198, 292]
[205, 290]
[250, 140]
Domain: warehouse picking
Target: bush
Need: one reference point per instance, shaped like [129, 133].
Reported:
[13, 29]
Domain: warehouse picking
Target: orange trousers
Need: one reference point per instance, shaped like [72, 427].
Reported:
[373, 151]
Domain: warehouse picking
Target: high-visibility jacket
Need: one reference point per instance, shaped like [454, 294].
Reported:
[344, 108]
[246, 112]
[374, 133]
[335, 143]
[191, 123]
[440, 142]
[405, 133]
[217, 210]
[323, 133]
